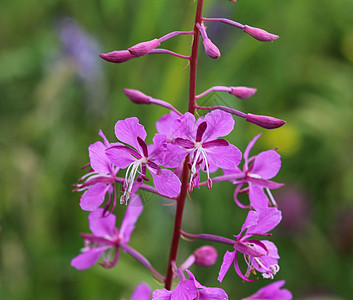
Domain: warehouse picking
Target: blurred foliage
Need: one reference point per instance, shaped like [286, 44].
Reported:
[54, 100]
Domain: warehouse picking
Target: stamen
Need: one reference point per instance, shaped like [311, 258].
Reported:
[271, 197]
[130, 175]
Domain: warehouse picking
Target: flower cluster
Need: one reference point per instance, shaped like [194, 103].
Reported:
[185, 153]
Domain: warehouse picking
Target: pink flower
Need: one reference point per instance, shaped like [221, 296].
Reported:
[140, 157]
[256, 173]
[164, 127]
[190, 289]
[106, 237]
[100, 180]
[200, 140]
[272, 291]
[142, 292]
[259, 255]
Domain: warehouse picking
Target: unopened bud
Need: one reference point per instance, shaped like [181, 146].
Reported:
[144, 47]
[209, 183]
[242, 92]
[205, 256]
[211, 49]
[260, 34]
[137, 96]
[264, 121]
[117, 56]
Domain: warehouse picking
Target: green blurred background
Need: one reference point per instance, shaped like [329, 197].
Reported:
[56, 93]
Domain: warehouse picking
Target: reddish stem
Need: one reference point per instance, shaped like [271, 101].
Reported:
[177, 225]
[193, 58]
[185, 174]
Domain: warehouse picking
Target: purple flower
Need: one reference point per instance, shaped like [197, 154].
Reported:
[100, 180]
[164, 127]
[142, 292]
[272, 291]
[139, 158]
[256, 173]
[106, 237]
[200, 140]
[259, 255]
[190, 289]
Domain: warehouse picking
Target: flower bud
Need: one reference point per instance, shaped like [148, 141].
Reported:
[260, 34]
[264, 121]
[144, 47]
[211, 49]
[205, 256]
[242, 92]
[117, 56]
[137, 96]
[209, 183]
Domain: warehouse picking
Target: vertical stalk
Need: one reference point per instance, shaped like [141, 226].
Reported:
[185, 174]
[193, 58]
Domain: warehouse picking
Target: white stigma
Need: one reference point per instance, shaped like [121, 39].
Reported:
[130, 176]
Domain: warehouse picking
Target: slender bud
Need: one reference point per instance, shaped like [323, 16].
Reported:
[144, 47]
[264, 121]
[260, 34]
[242, 92]
[205, 256]
[117, 56]
[137, 96]
[211, 49]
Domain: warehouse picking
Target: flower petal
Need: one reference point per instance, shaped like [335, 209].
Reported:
[272, 291]
[267, 164]
[257, 196]
[228, 258]
[238, 271]
[249, 147]
[161, 294]
[166, 183]
[87, 259]
[164, 124]
[100, 225]
[133, 211]
[120, 157]
[264, 183]
[269, 218]
[227, 157]
[219, 123]
[142, 292]
[128, 130]
[266, 260]
[212, 293]
[251, 220]
[93, 197]
[166, 154]
[98, 159]
[184, 127]
[185, 290]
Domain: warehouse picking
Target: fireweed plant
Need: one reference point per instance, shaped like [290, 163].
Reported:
[185, 145]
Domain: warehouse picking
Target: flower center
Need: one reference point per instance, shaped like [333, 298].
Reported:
[199, 155]
[130, 176]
